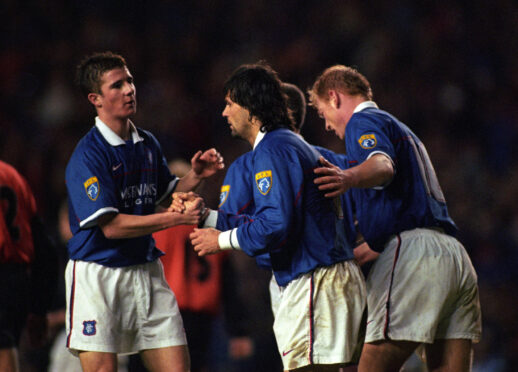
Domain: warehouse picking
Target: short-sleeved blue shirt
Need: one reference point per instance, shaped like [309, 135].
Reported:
[106, 174]
[413, 198]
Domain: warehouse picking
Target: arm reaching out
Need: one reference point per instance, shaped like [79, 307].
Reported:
[203, 165]
[375, 171]
[123, 226]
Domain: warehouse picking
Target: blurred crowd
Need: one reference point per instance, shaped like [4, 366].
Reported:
[448, 69]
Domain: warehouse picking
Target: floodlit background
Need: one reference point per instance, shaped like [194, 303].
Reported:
[448, 69]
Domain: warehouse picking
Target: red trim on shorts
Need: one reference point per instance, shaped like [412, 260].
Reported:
[387, 304]
[71, 309]
[311, 320]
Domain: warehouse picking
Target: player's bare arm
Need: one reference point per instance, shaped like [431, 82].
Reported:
[363, 254]
[205, 241]
[375, 171]
[203, 165]
[124, 226]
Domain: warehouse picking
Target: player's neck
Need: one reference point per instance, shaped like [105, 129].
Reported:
[120, 126]
[254, 130]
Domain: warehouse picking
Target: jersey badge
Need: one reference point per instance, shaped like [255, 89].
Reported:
[263, 181]
[92, 188]
[368, 141]
[89, 327]
[225, 189]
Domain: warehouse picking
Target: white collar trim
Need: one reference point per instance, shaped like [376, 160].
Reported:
[258, 138]
[364, 105]
[111, 137]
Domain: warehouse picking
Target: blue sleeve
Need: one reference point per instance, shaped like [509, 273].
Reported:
[236, 201]
[90, 186]
[276, 182]
[365, 135]
[340, 160]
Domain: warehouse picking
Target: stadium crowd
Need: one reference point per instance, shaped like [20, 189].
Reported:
[448, 69]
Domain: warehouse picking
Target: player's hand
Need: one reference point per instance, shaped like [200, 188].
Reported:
[331, 179]
[184, 218]
[178, 202]
[187, 202]
[205, 241]
[207, 163]
[363, 254]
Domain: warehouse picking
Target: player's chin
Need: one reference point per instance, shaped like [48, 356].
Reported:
[130, 109]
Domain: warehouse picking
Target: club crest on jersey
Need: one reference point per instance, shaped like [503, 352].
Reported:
[263, 181]
[368, 141]
[92, 188]
[89, 327]
[225, 189]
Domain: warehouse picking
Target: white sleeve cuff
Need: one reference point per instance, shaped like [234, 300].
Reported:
[211, 219]
[228, 240]
[381, 187]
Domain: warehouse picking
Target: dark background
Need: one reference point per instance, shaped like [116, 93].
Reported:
[448, 69]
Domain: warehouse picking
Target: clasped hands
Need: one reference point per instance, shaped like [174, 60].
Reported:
[189, 203]
[204, 241]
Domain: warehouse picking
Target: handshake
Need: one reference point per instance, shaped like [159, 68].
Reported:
[189, 203]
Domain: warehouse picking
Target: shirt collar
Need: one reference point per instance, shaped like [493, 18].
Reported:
[111, 137]
[364, 105]
[258, 138]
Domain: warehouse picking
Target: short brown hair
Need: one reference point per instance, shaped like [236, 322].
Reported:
[91, 69]
[342, 78]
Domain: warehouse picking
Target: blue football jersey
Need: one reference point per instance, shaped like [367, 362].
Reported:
[346, 199]
[106, 174]
[413, 198]
[236, 199]
[292, 220]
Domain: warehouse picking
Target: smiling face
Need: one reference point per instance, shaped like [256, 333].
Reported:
[238, 119]
[117, 100]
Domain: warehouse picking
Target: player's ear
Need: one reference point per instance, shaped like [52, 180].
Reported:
[95, 99]
[334, 99]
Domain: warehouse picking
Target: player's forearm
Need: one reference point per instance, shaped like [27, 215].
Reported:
[189, 182]
[124, 226]
[375, 171]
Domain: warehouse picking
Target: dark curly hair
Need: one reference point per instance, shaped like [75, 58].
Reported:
[257, 88]
[91, 69]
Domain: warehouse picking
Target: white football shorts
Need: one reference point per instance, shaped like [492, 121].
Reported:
[422, 288]
[120, 309]
[318, 316]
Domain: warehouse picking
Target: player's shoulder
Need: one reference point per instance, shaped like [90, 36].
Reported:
[146, 134]
[239, 166]
[335, 158]
[372, 117]
[90, 147]
[7, 169]
[9, 175]
[282, 141]
[242, 159]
